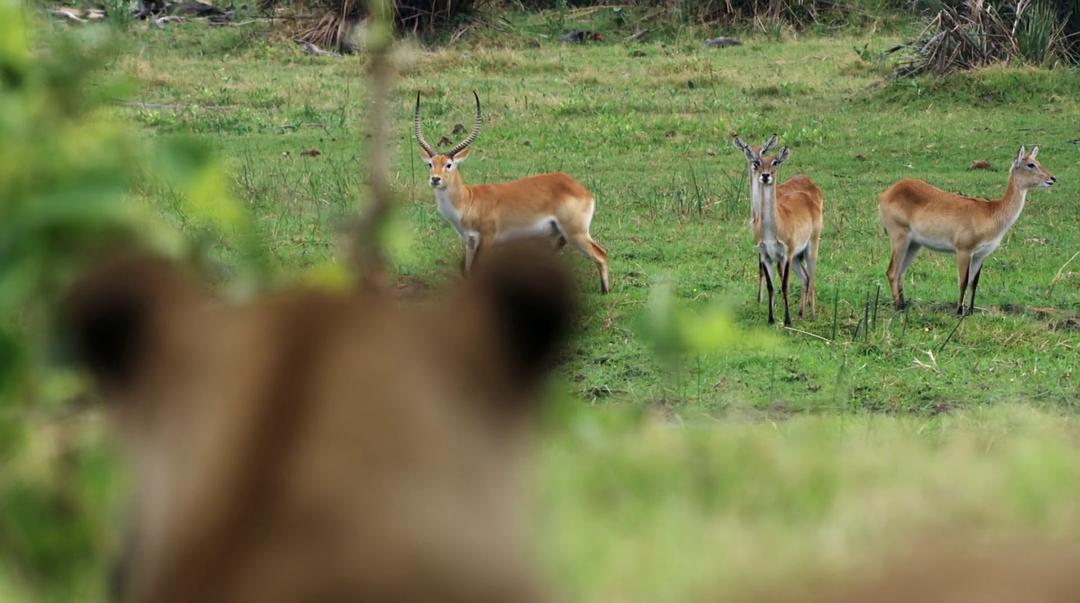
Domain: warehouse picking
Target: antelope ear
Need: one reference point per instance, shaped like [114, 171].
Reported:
[1034, 152]
[111, 319]
[742, 146]
[782, 156]
[461, 155]
[769, 144]
[1019, 157]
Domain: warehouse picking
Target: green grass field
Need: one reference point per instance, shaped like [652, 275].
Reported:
[647, 129]
[720, 470]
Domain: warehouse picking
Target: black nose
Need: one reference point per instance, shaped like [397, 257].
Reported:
[435, 180]
[766, 178]
[1053, 179]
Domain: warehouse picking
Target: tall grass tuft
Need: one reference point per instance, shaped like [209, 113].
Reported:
[974, 33]
[1040, 33]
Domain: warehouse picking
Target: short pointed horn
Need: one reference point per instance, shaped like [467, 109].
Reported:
[472, 135]
[420, 131]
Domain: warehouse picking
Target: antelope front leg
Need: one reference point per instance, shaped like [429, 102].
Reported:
[472, 244]
[963, 266]
[785, 269]
[766, 271]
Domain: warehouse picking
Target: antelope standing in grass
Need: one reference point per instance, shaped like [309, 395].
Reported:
[553, 205]
[787, 222]
[798, 182]
[916, 215]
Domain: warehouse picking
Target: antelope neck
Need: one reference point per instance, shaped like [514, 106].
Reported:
[1008, 209]
[767, 211]
[755, 199]
[451, 202]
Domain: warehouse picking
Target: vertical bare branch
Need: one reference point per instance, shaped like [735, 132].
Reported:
[368, 258]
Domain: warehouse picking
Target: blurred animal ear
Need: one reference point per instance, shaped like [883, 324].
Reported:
[531, 304]
[1019, 157]
[111, 319]
[1034, 152]
[782, 156]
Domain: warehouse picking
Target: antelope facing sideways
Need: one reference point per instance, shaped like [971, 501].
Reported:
[916, 215]
[552, 205]
[787, 221]
[792, 184]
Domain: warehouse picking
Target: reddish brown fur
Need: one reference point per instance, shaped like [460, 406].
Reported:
[492, 211]
[916, 214]
[549, 205]
[799, 203]
[797, 216]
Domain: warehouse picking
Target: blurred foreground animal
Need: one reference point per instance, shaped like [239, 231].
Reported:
[549, 205]
[916, 215]
[1007, 573]
[314, 446]
[787, 222]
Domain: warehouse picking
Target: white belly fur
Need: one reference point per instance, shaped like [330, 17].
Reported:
[931, 243]
[543, 227]
[773, 251]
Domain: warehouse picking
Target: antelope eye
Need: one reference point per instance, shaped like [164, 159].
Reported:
[1031, 165]
[448, 165]
[757, 165]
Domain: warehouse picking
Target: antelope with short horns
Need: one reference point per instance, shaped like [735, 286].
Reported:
[798, 182]
[916, 215]
[548, 205]
[787, 222]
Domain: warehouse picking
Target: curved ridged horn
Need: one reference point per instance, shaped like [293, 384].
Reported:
[768, 145]
[420, 131]
[472, 135]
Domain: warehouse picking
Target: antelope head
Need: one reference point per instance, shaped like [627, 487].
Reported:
[1028, 172]
[444, 165]
[754, 153]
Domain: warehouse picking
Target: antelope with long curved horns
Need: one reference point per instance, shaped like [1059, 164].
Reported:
[916, 215]
[548, 205]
